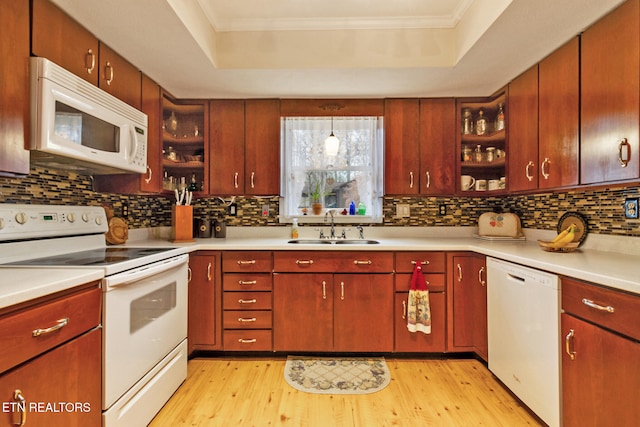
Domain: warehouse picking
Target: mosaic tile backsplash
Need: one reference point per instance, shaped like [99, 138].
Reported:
[602, 207]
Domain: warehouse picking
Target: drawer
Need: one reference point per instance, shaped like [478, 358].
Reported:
[246, 301]
[30, 332]
[623, 315]
[247, 319]
[333, 262]
[248, 340]
[239, 261]
[432, 262]
[435, 282]
[247, 282]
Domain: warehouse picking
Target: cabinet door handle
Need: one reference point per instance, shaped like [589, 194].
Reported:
[108, 71]
[189, 274]
[251, 341]
[252, 176]
[482, 282]
[149, 175]
[324, 290]
[428, 179]
[304, 261]
[235, 180]
[247, 282]
[404, 309]
[459, 273]
[342, 291]
[19, 398]
[61, 323]
[246, 262]
[543, 169]
[567, 344]
[209, 272]
[362, 262]
[90, 61]
[247, 301]
[589, 303]
[246, 320]
[624, 158]
[426, 262]
[526, 170]
[411, 179]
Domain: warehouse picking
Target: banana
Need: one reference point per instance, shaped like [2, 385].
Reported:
[567, 238]
[561, 235]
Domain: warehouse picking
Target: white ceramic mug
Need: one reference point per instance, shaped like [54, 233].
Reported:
[467, 182]
[481, 185]
[493, 184]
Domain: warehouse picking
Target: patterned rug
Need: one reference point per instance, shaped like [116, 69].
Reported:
[342, 375]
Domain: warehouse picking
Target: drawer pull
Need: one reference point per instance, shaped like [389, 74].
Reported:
[247, 301]
[246, 262]
[251, 341]
[421, 262]
[592, 304]
[59, 325]
[567, 344]
[304, 261]
[247, 282]
[19, 398]
[360, 262]
[246, 320]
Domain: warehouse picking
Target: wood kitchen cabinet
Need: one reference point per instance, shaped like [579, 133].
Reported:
[262, 147]
[600, 370]
[610, 97]
[467, 303]
[119, 77]
[437, 146]
[402, 150]
[205, 302]
[433, 268]
[226, 143]
[333, 301]
[14, 90]
[52, 358]
[247, 300]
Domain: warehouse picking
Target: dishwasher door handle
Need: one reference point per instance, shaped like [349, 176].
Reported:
[514, 277]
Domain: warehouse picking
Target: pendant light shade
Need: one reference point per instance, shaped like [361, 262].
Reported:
[332, 143]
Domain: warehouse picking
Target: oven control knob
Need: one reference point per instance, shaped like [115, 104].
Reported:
[21, 217]
[71, 217]
[85, 217]
[98, 220]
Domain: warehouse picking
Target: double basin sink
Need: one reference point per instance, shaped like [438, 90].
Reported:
[333, 242]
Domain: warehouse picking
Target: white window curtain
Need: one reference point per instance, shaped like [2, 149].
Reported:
[354, 174]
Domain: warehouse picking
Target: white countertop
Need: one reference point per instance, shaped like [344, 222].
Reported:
[18, 285]
[605, 260]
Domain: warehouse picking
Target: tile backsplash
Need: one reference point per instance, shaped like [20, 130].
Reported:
[603, 207]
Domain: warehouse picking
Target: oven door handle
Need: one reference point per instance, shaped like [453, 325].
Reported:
[143, 272]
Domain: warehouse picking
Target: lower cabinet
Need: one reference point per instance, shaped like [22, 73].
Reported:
[600, 369]
[204, 326]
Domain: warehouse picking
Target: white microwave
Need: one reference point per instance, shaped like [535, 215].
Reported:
[78, 126]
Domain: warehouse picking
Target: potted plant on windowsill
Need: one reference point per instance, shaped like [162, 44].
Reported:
[316, 196]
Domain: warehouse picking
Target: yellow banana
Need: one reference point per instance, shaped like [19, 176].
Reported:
[567, 238]
[561, 235]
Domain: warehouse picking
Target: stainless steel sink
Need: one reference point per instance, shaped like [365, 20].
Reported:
[333, 242]
[356, 242]
[310, 242]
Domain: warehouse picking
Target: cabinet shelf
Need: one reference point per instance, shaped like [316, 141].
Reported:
[498, 136]
[182, 165]
[499, 163]
[184, 140]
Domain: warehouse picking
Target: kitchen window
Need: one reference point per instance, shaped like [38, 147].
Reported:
[350, 179]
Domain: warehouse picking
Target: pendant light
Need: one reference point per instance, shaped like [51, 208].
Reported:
[332, 143]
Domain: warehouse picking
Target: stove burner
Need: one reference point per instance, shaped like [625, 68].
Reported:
[93, 257]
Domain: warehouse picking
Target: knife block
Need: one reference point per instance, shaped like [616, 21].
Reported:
[181, 223]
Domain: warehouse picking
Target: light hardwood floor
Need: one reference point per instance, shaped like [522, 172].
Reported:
[253, 392]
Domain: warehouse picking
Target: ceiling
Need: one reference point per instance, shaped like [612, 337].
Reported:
[334, 48]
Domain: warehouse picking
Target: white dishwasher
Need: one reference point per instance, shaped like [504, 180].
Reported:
[523, 312]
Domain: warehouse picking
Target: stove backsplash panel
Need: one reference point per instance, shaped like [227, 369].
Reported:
[602, 207]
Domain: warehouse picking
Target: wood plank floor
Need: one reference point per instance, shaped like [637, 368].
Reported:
[253, 392]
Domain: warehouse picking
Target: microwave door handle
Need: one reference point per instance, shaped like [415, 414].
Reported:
[144, 272]
[133, 143]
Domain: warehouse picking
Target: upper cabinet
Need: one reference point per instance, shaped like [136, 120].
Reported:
[610, 97]
[437, 146]
[482, 145]
[57, 37]
[402, 148]
[14, 90]
[262, 147]
[226, 121]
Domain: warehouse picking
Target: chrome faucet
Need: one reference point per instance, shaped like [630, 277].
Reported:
[333, 224]
[361, 231]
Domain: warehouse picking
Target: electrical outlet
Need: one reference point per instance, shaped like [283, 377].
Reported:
[403, 211]
[125, 210]
[233, 209]
[265, 210]
[631, 208]
[442, 210]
